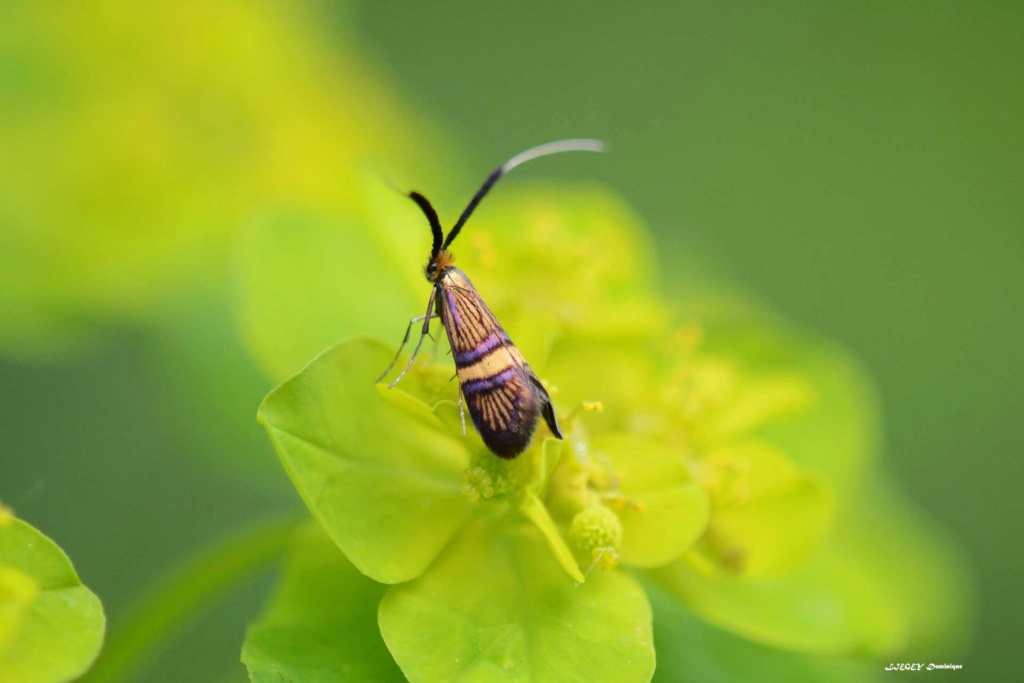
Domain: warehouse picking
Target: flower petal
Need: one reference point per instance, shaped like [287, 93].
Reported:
[767, 516]
[829, 605]
[663, 511]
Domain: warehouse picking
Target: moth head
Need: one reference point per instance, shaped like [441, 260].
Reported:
[437, 264]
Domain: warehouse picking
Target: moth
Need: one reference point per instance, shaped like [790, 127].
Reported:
[504, 396]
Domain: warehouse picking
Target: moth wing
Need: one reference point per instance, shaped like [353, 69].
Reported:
[502, 393]
[547, 408]
[504, 410]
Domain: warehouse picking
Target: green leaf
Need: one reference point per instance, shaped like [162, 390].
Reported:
[693, 650]
[375, 467]
[51, 626]
[766, 515]
[829, 605]
[498, 607]
[17, 592]
[306, 282]
[663, 511]
[321, 624]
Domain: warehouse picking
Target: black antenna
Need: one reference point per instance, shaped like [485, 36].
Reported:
[576, 145]
[435, 222]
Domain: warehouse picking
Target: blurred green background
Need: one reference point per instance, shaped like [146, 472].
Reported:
[856, 168]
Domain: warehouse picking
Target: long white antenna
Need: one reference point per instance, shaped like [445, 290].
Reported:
[557, 147]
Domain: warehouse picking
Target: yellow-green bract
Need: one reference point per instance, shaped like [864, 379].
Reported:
[51, 626]
[728, 470]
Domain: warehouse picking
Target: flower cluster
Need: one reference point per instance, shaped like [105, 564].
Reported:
[721, 460]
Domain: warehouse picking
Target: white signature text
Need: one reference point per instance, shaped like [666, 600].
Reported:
[921, 666]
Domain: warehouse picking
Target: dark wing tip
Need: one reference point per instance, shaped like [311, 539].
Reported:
[547, 408]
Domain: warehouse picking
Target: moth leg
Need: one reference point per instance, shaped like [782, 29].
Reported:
[436, 339]
[462, 412]
[405, 340]
[426, 318]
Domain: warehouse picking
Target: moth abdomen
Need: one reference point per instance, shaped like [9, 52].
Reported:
[504, 410]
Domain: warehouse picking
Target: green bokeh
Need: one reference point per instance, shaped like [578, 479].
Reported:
[856, 166]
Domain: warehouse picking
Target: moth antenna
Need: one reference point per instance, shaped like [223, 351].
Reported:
[557, 147]
[435, 222]
[428, 210]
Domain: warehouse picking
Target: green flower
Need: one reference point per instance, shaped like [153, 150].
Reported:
[722, 463]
